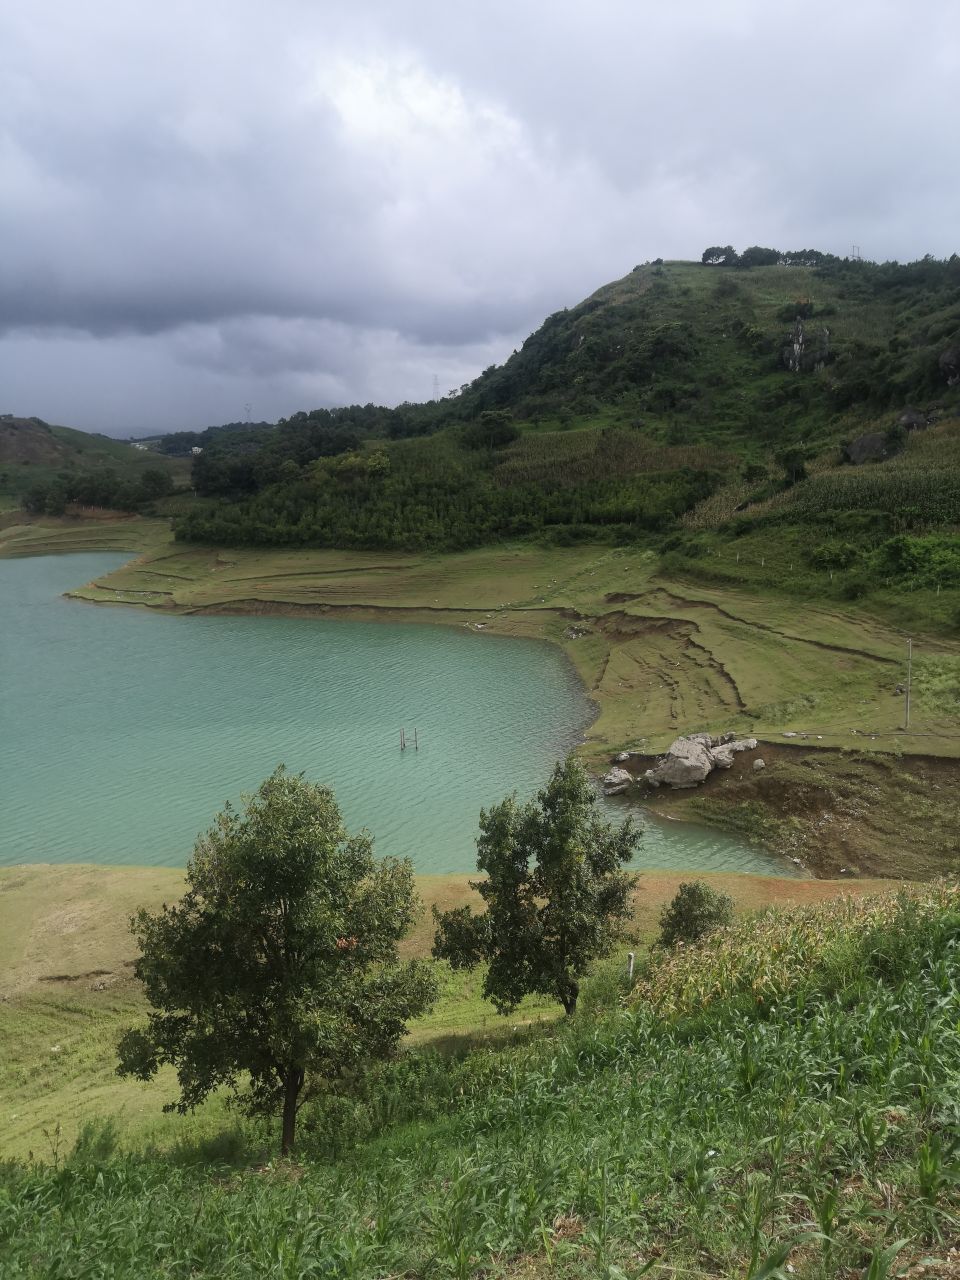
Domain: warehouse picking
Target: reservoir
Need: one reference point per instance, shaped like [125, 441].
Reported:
[124, 732]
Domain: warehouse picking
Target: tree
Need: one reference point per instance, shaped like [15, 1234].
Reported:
[758, 256]
[155, 483]
[695, 911]
[556, 897]
[793, 459]
[493, 430]
[278, 969]
[720, 255]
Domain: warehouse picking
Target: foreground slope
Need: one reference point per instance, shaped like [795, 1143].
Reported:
[784, 1093]
[66, 991]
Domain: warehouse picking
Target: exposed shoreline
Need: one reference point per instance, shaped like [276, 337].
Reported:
[619, 644]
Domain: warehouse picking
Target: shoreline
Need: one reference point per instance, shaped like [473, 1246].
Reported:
[647, 659]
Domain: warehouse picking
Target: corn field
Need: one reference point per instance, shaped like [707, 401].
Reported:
[786, 1095]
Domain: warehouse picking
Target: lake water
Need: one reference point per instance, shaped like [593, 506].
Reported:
[122, 732]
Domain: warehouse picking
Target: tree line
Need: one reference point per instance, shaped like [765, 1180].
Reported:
[102, 487]
[449, 492]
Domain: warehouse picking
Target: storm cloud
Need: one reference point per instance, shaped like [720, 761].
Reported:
[209, 205]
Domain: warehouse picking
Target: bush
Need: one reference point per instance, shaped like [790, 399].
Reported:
[695, 911]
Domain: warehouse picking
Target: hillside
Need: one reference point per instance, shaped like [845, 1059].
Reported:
[780, 1100]
[36, 457]
[683, 397]
[759, 356]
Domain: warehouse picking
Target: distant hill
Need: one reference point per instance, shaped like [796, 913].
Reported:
[35, 453]
[180, 444]
[33, 442]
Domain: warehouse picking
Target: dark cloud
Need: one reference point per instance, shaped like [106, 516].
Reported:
[207, 205]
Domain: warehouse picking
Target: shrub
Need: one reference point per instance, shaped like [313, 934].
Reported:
[695, 911]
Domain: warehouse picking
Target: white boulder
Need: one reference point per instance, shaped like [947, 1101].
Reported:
[615, 781]
[691, 759]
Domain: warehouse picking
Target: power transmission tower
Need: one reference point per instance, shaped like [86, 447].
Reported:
[436, 387]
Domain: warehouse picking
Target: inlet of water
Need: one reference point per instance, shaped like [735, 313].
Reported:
[125, 731]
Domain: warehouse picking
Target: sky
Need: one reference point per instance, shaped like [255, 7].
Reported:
[213, 210]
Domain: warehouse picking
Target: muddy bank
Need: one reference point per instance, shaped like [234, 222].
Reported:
[841, 812]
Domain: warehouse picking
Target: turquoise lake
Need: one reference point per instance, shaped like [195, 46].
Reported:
[123, 732]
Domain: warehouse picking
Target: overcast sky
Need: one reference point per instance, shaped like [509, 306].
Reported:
[213, 204]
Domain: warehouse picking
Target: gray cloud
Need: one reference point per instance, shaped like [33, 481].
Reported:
[207, 205]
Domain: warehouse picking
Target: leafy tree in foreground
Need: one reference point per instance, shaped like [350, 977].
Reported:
[694, 911]
[278, 969]
[556, 896]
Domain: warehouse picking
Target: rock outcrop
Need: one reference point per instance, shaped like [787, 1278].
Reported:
[868, 448]
[691, 759]
[615, 781]
[949, 363]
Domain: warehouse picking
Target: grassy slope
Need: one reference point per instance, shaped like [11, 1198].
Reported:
[789, 1090]
[33, 454]
[694, 351]
[66, 990]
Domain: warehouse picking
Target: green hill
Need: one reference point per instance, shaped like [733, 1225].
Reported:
[621, 417]
[757, 357]
[37, 458]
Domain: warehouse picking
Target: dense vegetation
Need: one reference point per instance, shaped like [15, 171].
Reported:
[46, 468]
[683, 395]
[786, 1091]
[103, 487]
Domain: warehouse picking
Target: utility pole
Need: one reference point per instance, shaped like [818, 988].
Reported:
[906, 718]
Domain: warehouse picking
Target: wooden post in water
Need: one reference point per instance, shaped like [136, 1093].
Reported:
[416, 744]
[403, 741]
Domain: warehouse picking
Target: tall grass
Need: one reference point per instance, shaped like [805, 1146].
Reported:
[569, 458]
[798, 1104]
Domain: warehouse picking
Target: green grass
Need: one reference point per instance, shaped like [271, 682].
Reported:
[789, 1090]
[48, 451]
[66, 993]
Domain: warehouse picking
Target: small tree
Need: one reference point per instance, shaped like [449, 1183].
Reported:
[556, 897]
[720, 255]
[695, 911]
[278, 968]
